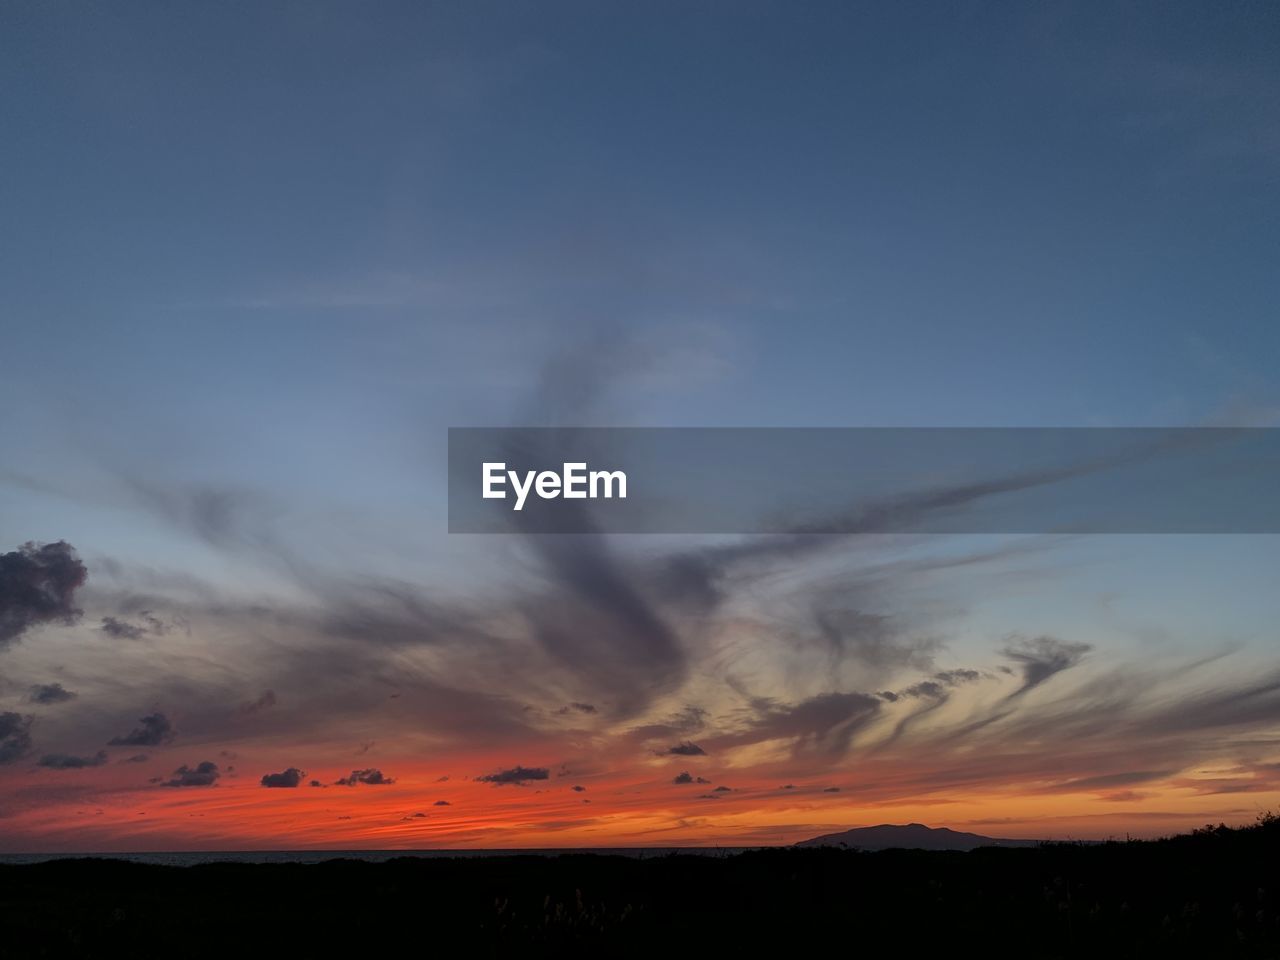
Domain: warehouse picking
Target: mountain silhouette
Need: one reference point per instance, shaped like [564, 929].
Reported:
[914, 836]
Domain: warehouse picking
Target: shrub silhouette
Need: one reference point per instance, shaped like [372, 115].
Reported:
[1209, 893]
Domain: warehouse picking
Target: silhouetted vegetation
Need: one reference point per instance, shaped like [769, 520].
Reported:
[1212, 893]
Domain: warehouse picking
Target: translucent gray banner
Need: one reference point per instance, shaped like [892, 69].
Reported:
[716, 480]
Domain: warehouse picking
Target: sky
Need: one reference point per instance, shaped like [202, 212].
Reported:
[256, 259]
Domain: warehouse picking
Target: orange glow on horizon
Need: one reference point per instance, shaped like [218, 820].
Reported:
[420, 810]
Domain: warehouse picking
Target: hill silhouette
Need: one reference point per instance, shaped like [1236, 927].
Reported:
[910, 836]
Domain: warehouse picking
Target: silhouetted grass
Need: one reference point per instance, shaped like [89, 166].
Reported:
[1208, 894]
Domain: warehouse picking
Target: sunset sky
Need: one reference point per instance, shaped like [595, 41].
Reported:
[253, 267]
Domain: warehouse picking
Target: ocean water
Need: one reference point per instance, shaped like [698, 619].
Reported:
[192, 857]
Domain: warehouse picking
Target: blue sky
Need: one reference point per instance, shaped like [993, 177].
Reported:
[283, 249]
[255, 259]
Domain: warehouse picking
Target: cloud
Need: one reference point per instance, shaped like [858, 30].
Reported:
[315, 783]
[516, 775]
[578, 788]
[831, 790]
[204, 774]
[953, 678]
[685, 749]
[930, 689]
[136, 758]
[114, 627]
[1043, 657]
[147, 625]
[15, 737]
[37, 586]
[286, 778]
[686, 777]
[223, 517]
[441, 803]
[598, 621]
[50, 693]
[64, 761]
[154, 730]
[722, 789]
[327, 675]
[371, 776]
[264, 702]
[870, 639]
[1124, 779]
[823, 724]
[598, 617]
[935, 692]
[1124, 796]
[577, 707]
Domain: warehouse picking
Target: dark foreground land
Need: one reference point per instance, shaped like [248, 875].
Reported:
[1210, 894]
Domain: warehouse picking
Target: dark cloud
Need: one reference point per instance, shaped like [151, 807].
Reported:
[953, 678]
[65, 761]
[153, 730]
[1042, 657]
[722, 789]
[831, 790]
[291, 777]
[598, 617]
[686, 777]
[576, 707]
[37, 585]
[517, 775]
[371, 776]
[15, 737]
[823, 724]
[204, 774]
[577, 788]
[870, 639]
[391, 613]
[315, 783]
[146, 624]
[50, 693]
[690, 719]
[1243, 705]
[114, 627]
[686, 749]
[1109, 780]
[708, 573]
[441, 803]
[930, 689]
[136, 758]
[264, 702]
[598, 621]
[897, 511]
[935, 692]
